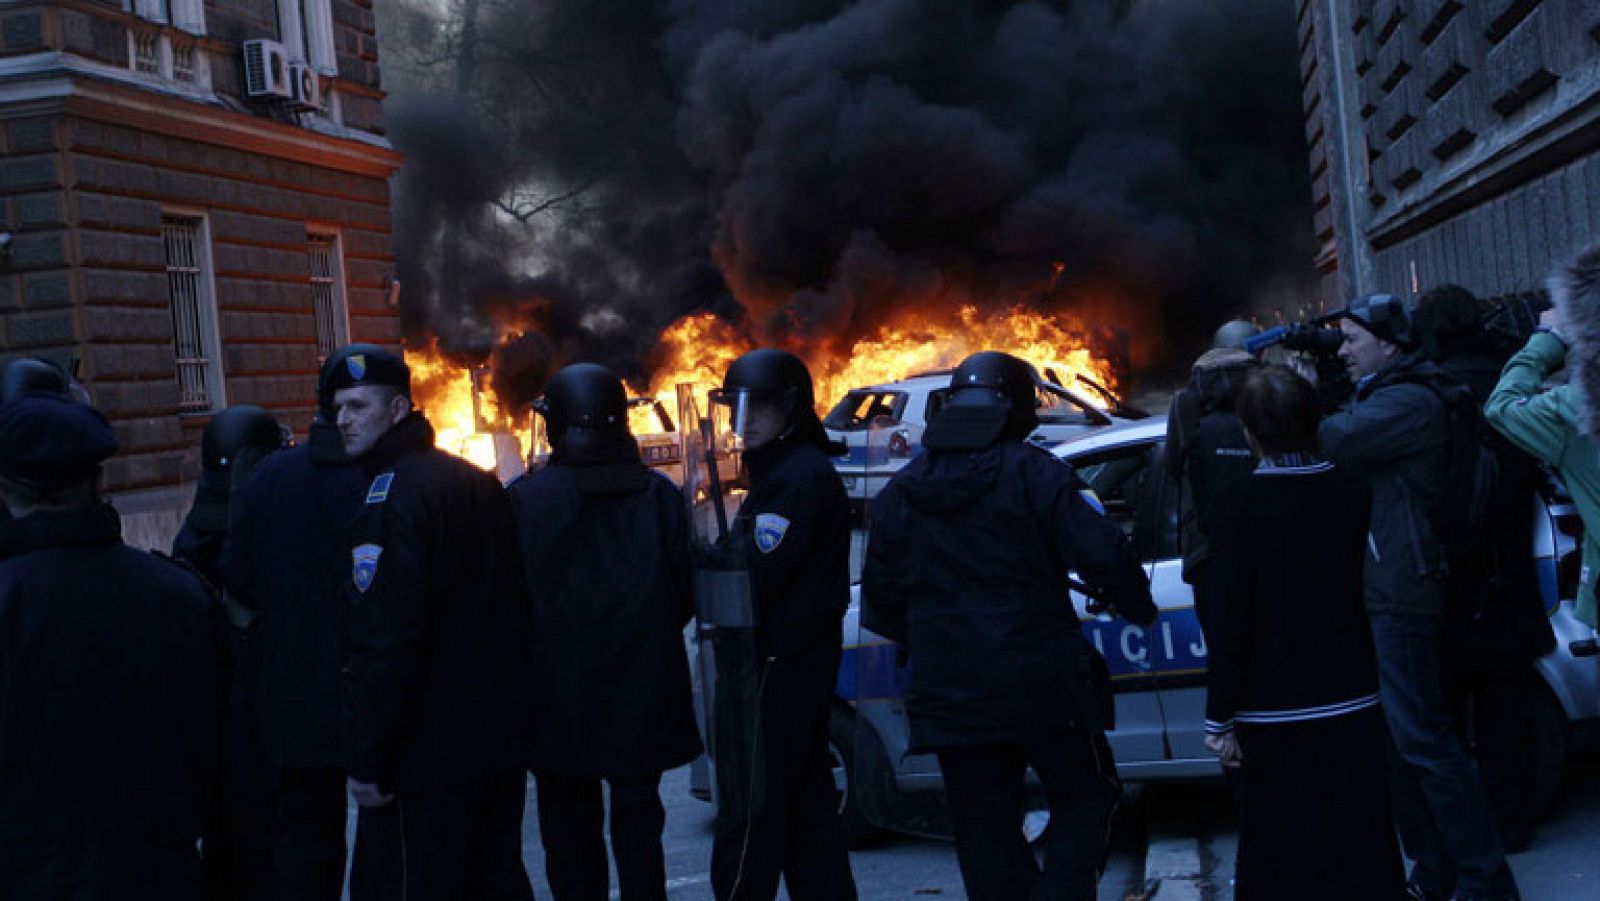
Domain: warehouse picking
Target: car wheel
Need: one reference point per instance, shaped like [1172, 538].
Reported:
[1547, 742]
[859, 772]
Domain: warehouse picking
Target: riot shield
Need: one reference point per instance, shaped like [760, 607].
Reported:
[728, 663]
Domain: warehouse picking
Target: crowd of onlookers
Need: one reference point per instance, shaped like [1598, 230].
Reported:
[1364, 571]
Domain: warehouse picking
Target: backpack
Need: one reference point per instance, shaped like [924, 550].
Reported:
[1460, 520]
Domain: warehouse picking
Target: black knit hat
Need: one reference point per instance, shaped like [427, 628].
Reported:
[47, 441]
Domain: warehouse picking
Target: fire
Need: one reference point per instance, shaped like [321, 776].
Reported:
[466, 418]
[698, 349]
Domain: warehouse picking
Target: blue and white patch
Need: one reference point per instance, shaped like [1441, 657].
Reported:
[356, 365]
[379, 492]
[366, 565]
[770, 529]
[1093, 500]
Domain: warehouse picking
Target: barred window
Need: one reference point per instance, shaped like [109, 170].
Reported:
[327, 292]
[196, 345]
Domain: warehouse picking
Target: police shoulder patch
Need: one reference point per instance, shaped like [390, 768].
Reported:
[379, 492]
[365, 558]
[1093, 500]
[770, 529]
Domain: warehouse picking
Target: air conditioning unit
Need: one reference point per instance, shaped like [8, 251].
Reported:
[307, 86]
[266, 70]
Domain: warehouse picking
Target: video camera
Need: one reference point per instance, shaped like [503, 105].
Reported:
[1314, 337]
[1510, 321]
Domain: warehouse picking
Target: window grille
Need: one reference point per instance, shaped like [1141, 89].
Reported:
[183, 63]
[147, 52]
[327, 293]
[188, 288]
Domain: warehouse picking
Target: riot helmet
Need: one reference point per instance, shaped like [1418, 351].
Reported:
[584, 395]
[28, 375]
[992, 395]
[771, 382]
[1233, 334]
[234, 430]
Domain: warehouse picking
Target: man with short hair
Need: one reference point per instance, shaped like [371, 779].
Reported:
[436, 625]
[1396, 430]
[114, 672]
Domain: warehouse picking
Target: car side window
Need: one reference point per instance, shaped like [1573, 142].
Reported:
[860, 410]
[1057, 408]
[1134, 489]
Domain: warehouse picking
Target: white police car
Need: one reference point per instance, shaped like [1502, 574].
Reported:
[1159, 674]
[902, 410]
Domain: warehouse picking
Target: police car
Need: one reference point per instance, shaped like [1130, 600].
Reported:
[1159, 673]
[897, 413]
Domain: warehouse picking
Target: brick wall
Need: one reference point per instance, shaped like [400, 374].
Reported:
[1471, 130]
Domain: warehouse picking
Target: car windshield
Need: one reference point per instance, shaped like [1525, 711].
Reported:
[861, 408]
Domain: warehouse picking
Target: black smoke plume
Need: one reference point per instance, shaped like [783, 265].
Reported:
[595, 169]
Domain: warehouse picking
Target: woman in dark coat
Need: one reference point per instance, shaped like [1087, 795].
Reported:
[1293, 684]
[605, 547]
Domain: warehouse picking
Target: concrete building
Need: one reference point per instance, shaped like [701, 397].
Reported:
[197, 203]
[1451, 140]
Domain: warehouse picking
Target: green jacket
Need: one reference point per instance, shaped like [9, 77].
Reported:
[1545, 424]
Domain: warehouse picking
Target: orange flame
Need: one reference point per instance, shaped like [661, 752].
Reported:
[697, 350]
[465, 417]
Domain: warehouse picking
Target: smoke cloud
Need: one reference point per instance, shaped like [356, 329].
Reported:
[595, 169]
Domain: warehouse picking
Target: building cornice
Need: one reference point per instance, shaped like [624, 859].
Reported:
[104, 93]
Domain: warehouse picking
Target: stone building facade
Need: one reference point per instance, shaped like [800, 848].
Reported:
[1451, 140]
[191, 239]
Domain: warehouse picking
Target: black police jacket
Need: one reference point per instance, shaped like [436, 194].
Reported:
[437, 620]
[112, 678]
[966, 568]
[205, 530]
[287, 558]
[605, 547]
[795, 527]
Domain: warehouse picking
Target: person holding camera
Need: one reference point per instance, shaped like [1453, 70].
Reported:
[1397, 432]
[1292, 698]
[1559, 425]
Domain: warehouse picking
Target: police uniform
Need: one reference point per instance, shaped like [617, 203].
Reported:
[966, 569]
[113, 689]
[286, 559]
[612, 698]
[794, 532]
[435, 635]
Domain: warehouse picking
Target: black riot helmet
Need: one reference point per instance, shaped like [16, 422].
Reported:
[773, 376]
[32, 376]
[584, 395]
[993, 395]
[239, 427]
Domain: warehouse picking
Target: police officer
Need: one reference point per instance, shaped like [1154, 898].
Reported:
[286, 560]
[239, 843]
[794, 530]
[114, 679]
[967, 568]
[29, 375]
[436, 629]
[612, 677]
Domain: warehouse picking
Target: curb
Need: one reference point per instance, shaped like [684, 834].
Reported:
[1173, 870]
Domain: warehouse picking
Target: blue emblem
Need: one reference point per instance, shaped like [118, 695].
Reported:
[356, 365]
[366, 565]
[770, 529]
[379, 492]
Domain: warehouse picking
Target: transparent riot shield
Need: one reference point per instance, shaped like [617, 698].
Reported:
[728, 663]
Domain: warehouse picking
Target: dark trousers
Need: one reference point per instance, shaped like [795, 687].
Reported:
[793, 831]
[461, 843]
[238, 840]
[309, 849]
[985, 786]
[571, 826]
[1494, 713]
[1445, 823]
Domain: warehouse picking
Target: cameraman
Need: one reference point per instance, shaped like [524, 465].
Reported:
[1494, 618]
[1558, 425]
[1396, 431]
